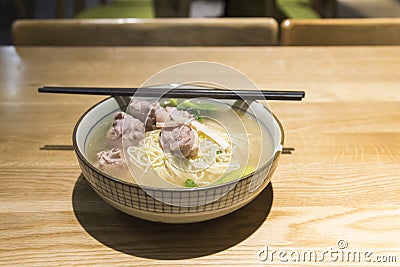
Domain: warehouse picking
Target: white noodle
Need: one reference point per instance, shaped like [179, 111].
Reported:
[150, 155]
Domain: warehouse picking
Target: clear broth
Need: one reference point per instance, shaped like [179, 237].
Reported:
[253, 152]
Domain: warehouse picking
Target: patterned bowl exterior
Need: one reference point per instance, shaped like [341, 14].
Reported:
[210, 202]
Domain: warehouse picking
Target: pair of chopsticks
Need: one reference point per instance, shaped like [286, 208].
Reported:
[285, 150]
[179, 92]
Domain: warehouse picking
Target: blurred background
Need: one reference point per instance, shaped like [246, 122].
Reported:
[11, 10]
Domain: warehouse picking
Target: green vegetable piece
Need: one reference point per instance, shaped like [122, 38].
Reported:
[173, 102]
[218, 152]
[197, 108]
[190, 183]
[199, 118]
[164, 103]
[231, 176]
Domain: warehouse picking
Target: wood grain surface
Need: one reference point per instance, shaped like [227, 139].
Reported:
[340, 183]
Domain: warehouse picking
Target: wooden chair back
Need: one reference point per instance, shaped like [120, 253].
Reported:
[147, 32]
[379, 31]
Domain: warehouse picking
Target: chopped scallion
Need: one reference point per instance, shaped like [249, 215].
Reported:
[190, 183]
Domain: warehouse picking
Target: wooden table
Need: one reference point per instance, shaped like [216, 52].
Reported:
[341, 182]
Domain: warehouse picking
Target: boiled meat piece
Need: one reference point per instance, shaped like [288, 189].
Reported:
[180, 141]
[171, 117]
[112, 162]
[126, 128]
[110, 157]
[145, 112]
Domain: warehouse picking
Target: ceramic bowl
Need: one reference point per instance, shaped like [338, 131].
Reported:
[151, 203]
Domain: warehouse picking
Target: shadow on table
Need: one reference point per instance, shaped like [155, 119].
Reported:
[152, 240]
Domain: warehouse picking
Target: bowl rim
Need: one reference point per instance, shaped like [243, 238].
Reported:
[180, 189]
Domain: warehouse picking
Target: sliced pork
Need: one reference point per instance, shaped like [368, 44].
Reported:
[177, 137]
[171, 117]
[154, 116]
[111, 157]
[180, 141]
[111, 161]
[145, 112]
[126, 128]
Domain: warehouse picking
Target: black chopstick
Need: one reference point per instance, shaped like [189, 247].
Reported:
[178, 92]
[57, 147]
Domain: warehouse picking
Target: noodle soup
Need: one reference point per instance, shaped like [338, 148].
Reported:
[224, 144]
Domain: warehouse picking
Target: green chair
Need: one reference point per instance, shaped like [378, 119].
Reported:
[297, 9]
[120, 9]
